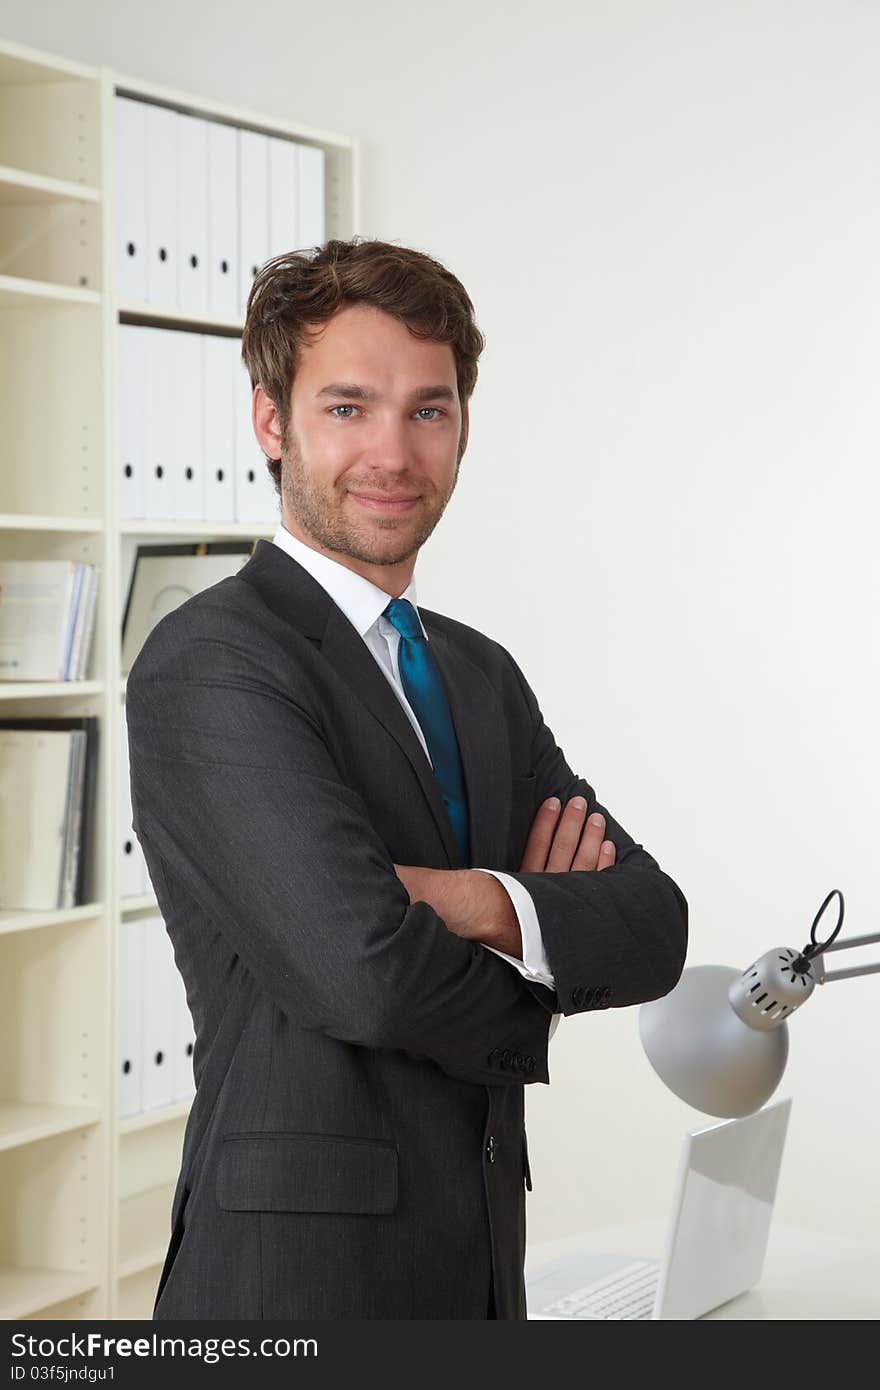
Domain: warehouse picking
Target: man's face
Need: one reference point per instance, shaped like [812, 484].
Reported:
[375, 438]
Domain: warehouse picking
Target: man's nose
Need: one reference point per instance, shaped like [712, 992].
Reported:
[390, 446]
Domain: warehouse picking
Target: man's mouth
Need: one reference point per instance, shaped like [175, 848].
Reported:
[382, 502]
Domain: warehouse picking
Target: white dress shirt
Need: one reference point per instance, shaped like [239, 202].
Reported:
[363, 603]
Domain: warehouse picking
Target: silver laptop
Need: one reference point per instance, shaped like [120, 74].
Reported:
[715, 1245]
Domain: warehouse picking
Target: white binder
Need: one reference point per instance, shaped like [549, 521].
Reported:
[186, 447]
[159, 985]
[255, 495]
[161, 424]
[253, 209]
[221, 365]
[133, 878]
[162, 242]
[132, 420]
[184, 1040]
[192, 203]
[283, 196]
[130, 1017]
[223, 258]
[131, 199]
[311, 196]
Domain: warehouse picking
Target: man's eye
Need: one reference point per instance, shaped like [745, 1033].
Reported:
[431, 410]
[334, 408]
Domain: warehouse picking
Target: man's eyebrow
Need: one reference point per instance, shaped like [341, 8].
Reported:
[350, 391]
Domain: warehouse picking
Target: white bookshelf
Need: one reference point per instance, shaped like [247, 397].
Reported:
[85, 1196]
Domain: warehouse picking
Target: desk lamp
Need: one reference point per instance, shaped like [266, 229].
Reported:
[719, 1039]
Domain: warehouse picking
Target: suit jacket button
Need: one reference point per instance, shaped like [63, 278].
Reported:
[490, 1148]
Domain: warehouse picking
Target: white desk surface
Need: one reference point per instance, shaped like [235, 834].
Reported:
[807, 1274]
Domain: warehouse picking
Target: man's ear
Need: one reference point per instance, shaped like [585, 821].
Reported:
[465, 427]
[267, 426]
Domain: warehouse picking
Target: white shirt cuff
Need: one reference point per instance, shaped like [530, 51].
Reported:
[534, 964]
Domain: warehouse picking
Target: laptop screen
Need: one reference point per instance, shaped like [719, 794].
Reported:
[722, 1211]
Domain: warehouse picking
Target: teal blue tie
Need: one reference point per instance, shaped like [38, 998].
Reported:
[423, 687]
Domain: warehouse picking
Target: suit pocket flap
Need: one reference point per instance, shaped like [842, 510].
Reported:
[523, 788]
[307, 1172]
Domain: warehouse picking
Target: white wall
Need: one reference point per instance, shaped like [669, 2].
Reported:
[668, 216]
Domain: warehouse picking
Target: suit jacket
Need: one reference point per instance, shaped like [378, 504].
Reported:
[356, 1145]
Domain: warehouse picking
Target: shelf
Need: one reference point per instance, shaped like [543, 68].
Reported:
[16, 291]
[203, 530]
[86, 1194]
[138, 903]
[17, 920]
[25, 1124]
[156, 315]
[48, 690]
[14, 521]
[144, 1229]
[24, 1291]
[24, 65]
[20, 186]
[126, 85]
[162, 1115]
[136, 1294]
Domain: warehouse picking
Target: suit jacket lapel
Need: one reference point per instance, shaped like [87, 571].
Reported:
[350, 657]
[477, 712]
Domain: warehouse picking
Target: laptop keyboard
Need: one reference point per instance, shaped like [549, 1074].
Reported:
[628, 1293]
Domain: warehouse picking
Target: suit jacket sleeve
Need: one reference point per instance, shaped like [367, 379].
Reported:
[234, 789]
[612, 937]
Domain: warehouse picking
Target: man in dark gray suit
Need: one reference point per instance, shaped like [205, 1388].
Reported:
[346, 806]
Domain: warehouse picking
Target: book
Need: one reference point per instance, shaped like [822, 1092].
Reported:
[34, 799]
[85, 625]
[46, 618]
[71, 620]
[34, 777]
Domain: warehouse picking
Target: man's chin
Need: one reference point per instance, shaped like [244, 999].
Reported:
[370, 550]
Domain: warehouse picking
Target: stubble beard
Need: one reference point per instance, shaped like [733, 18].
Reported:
[326, 515]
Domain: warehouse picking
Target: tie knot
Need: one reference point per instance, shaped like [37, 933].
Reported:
[401, 614]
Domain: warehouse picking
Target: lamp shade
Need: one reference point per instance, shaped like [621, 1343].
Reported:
[702, 1050]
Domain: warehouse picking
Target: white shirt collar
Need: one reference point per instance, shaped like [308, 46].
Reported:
[361, 601]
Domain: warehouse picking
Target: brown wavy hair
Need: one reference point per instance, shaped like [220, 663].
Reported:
[292, 291]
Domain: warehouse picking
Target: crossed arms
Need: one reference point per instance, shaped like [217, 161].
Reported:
[237, 798]
[476, 906]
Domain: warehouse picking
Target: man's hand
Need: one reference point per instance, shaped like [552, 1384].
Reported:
[476, 906]
[472, 904]
[558, 844]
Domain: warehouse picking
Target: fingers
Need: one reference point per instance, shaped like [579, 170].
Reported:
[560, 843]
[607, 854]
[569, 827]
[594, 852]
[540, 837]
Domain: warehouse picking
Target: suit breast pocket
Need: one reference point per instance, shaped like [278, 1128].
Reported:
[522, 812]
[307, 1173]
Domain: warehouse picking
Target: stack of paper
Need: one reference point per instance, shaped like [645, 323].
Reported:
[47, 619]
[48, 773]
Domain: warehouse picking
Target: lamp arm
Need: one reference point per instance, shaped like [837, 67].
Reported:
[824, 978]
